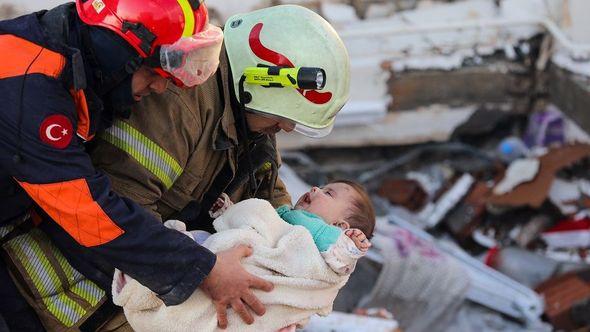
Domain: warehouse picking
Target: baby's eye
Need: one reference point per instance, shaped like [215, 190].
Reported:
[329, 192]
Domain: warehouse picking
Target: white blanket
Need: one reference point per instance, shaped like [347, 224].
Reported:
[282, 254]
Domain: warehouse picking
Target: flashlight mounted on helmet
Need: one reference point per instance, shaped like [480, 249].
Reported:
[306, 78]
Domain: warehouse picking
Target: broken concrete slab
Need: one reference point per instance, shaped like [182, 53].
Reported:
[428, 124]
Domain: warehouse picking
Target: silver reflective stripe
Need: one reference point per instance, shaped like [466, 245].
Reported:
[145, 151]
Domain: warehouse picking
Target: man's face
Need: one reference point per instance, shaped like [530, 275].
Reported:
[267, 124]
[145, 81]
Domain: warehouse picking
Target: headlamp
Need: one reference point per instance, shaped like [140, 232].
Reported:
[306, 78]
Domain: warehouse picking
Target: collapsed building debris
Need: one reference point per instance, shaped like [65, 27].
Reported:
[503, 227]
[534, 193]
[567, 300]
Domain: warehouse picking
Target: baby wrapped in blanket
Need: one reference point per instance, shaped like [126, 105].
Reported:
[302, 251]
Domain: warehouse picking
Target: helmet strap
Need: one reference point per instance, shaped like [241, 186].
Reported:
[244, 125]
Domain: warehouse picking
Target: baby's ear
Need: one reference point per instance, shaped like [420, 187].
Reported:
[344, 225]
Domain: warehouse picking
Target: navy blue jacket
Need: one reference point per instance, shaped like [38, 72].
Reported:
[45, 119]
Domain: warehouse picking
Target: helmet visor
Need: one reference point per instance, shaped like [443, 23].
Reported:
[313, 132]
[192, 60]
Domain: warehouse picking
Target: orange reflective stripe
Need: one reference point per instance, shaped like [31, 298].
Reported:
[18, 54]
[83, 129]
[71, 205]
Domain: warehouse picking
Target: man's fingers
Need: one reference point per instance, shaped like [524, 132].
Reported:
[254, 303]
[240, 308]
[262, 284]
[243, 251]
[221, 309]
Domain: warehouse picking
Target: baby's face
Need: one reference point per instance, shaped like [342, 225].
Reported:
[330, 202]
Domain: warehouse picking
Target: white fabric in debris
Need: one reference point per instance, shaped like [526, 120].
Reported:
[419, 284]
[282, 254]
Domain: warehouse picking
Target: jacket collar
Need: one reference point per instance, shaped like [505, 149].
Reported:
[225, 135]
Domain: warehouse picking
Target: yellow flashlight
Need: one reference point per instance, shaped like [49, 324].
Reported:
[307, 78]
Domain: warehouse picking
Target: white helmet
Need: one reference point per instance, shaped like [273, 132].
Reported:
[290, 36]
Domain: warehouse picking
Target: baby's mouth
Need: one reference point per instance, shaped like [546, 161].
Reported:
[305, 199]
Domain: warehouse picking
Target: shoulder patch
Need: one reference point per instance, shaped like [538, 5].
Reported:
[56, 131]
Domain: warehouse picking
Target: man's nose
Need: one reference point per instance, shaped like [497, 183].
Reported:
[287, 126]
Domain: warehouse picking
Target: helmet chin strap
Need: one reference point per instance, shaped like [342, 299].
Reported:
[111, 84]
[245, 136]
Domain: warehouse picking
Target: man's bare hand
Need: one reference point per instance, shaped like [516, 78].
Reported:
[229, 283]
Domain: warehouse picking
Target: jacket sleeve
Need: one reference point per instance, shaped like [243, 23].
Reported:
[64, 184]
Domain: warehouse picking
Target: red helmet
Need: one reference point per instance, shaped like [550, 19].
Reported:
[146, 24]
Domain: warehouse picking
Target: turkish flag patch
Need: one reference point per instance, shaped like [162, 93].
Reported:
[56, 131]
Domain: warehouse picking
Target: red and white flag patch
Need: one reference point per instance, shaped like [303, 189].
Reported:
[56, 131]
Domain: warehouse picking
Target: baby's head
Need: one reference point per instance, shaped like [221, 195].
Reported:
[342, 203]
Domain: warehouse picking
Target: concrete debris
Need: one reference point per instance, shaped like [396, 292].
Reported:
[568, 300]
[567, 195]
[343, 322]
[449, 199]
[520, 171]
[535, 192]
[568, 234]
[531, 231]
[407, 193]
[482, 121]
[526, 267]
[468, 214]
[416, 280]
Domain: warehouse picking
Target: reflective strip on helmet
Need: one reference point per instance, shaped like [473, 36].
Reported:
[189, 18]
[144, 151]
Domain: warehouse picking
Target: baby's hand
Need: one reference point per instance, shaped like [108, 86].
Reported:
[222, 203]
[359, 238]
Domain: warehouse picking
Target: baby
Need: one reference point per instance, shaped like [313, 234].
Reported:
[307, 271]
[339, 216]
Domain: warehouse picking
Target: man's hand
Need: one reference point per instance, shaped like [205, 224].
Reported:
[229, 283]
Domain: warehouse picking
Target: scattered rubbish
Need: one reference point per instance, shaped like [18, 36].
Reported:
[488, 287]
[467, 215]
[527, 267]
[567, 300]
[407, 193]
[535, 192]
[416, 280]
[569, 234]
[511, 149]
[531, 231]
[343, 322]
[545, 128]
[568, 196]
[520, 171]
[449, 199]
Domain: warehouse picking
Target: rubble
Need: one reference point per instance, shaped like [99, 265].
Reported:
[342, 322]
[568, 300]
[535, 192]
[468, 233]
[407, 193]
